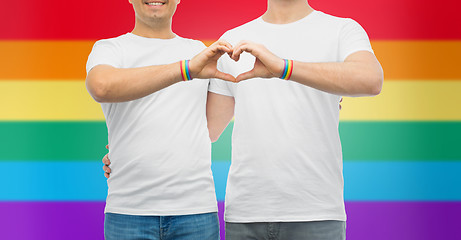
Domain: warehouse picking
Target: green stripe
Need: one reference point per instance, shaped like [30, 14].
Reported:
[360, 140]
[52, 140]
[419, 141]
[221, 149]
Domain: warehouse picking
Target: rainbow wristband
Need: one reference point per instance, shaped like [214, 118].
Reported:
[185, 72]
[288, 69]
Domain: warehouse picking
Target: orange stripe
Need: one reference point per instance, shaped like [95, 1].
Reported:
[419, 60]
[410, 60]
[50, 60]
[208, 42]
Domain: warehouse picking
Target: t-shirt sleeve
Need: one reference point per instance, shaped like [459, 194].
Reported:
[104, 52]
[200, 46]
[219, 86]
[352, 38]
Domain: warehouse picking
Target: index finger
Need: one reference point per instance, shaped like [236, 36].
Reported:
[224, 43]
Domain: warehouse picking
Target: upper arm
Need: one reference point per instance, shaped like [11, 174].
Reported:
[352, 38]
[355, 48]
[104, 52]
[104, 58]
[219, 112]
[220, 104]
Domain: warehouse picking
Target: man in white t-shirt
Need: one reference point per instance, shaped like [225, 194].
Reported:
[285, 181]
[161, 185]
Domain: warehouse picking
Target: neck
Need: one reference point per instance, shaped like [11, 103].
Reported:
[286, 11]
[155, 29]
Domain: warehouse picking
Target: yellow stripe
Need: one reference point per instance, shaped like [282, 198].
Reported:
[400, 100]
[47, 101]
[183, 71]
[290, 69]
[407, 101]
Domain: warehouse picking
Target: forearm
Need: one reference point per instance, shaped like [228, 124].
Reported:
[109, 84]
[349, 78]
[219, 112]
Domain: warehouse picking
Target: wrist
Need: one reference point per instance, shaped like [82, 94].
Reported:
[185, 70]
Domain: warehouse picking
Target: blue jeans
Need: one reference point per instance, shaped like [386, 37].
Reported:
[185, 227]
[316, 230]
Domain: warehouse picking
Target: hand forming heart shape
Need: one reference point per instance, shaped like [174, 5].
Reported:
[267, 65]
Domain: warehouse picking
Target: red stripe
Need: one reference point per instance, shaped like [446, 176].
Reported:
[87, 19]
[400, 19]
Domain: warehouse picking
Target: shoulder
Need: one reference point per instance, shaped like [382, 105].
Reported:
[331, 20]
[194, 44]
[240, 30]
[113, 43]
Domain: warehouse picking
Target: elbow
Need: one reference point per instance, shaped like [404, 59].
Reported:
[213, 132]
[98, 89]
[213, 140]
[376, 88]
[376, 84]
[214, 137]
[99, 95]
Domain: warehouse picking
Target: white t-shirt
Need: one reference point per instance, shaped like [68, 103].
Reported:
[286, 151]
[159, 144]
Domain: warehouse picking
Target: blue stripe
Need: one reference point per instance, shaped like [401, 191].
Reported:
[52, 181]
[220, 170]
[402, 181]
[69, 181]
[364, 181]
[187, 71]
[285, 70]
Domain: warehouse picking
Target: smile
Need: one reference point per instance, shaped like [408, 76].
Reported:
[156, 3]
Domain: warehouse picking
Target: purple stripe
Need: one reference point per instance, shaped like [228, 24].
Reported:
[403, 220]
[366, 220]
[222, 225]
[58, 220]
[51, 220]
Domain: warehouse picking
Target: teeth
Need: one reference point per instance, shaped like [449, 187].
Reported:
[155, 4]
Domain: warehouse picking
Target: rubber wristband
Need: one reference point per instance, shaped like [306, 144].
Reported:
[185, 72]
[288, 70]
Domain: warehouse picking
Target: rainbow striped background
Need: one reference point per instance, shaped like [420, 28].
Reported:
[402, 153]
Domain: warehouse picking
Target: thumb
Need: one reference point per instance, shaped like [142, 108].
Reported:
[246, 75]
[225, 76]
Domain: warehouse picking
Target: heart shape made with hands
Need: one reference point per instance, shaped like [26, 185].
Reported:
[266, 65]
